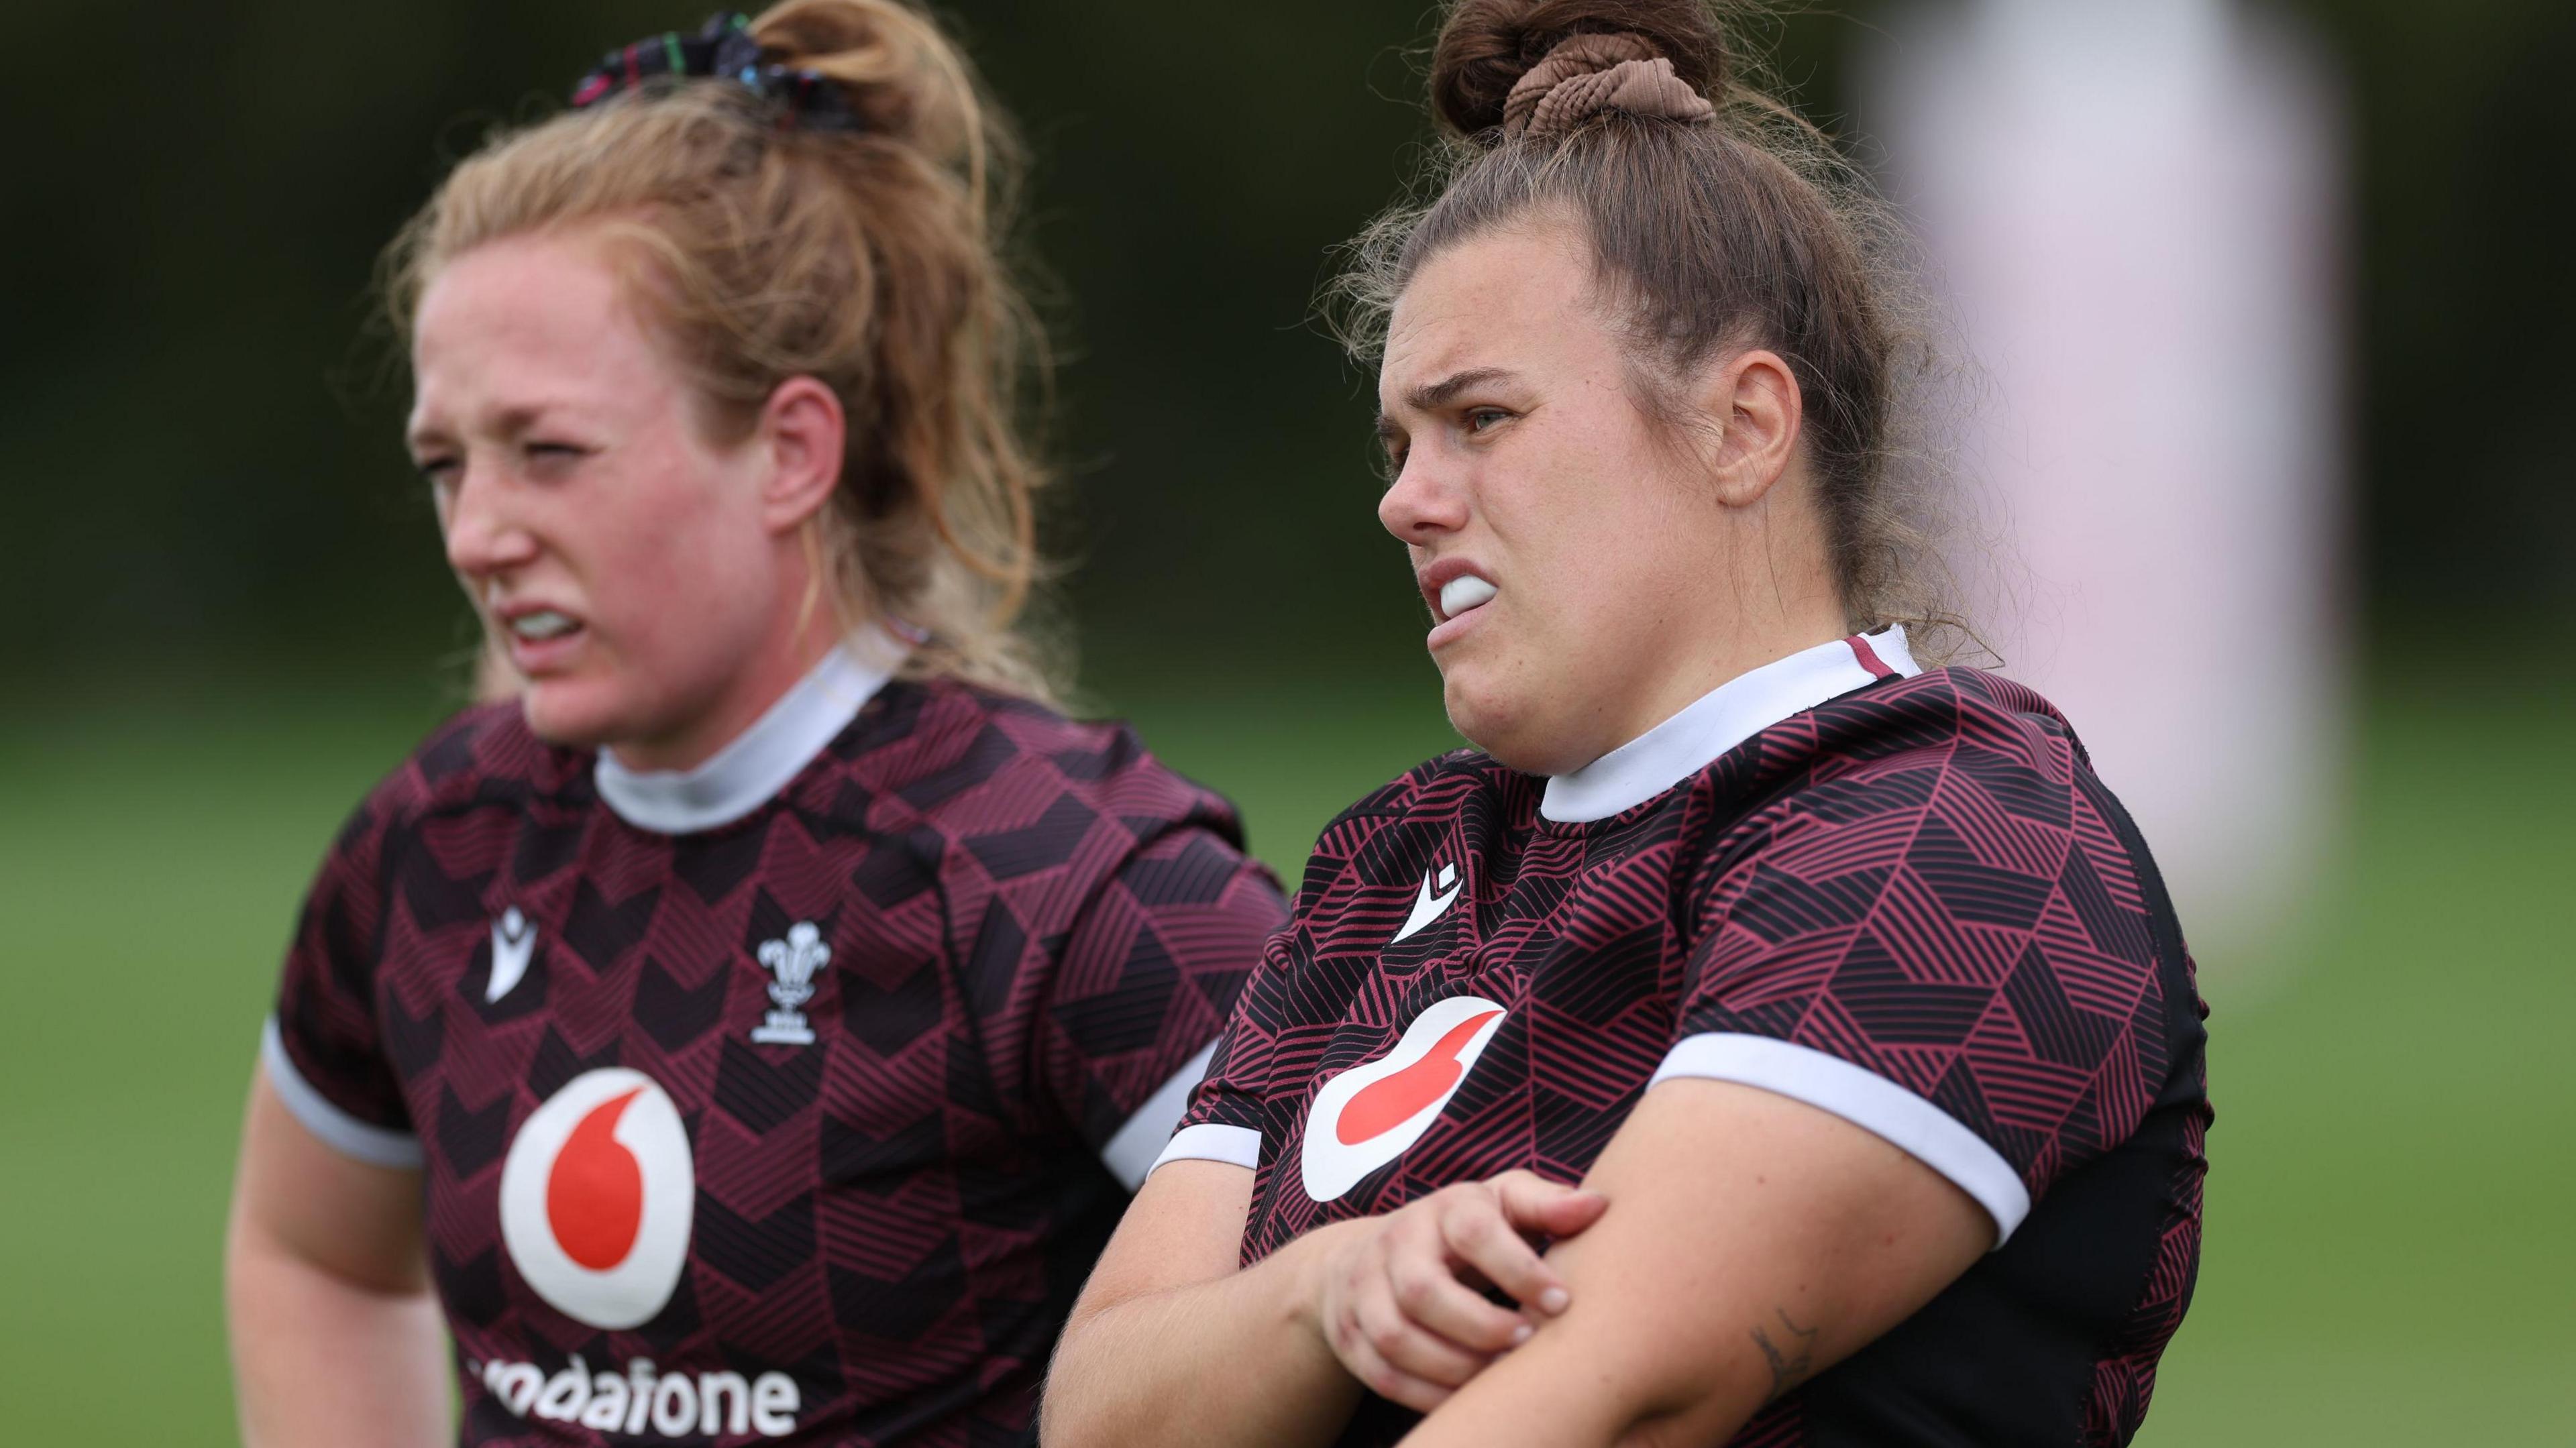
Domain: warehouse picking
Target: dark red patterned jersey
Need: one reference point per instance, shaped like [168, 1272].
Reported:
[1899, 896]
[789, 1098]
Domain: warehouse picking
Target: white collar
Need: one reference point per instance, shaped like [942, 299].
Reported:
[1719, 720]
[747, 773]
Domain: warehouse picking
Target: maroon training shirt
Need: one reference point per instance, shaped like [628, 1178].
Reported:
[790, 1098]
[1901, 897]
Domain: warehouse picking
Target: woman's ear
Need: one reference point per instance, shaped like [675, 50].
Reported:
[806, 433]
[1755, 400]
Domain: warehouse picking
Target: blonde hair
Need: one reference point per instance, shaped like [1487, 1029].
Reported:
[864, 257]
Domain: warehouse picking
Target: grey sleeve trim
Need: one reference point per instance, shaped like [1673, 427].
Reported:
[336, 1128]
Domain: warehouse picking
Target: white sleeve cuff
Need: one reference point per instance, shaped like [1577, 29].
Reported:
[1130, 1154]
[337, 1129]
[1233, 1145]
[1867, 1100]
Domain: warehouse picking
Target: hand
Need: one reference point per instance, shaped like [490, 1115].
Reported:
[1401, 1302]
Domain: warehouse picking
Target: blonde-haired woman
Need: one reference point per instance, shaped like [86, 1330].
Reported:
[751, 1030]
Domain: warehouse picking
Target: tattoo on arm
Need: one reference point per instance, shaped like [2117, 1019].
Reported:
[1790, 1356]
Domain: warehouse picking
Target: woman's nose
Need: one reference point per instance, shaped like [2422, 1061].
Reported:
[483, 534]
[1426, 501]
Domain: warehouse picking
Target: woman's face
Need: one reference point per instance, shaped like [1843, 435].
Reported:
[633, 569]
[1582, 570]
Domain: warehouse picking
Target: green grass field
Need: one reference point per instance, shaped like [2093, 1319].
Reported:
[2391, 1251]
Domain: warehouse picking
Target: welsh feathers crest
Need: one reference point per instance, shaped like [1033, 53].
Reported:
[794, 961]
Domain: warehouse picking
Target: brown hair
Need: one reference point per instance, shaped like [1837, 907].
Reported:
[864, 257]
[1716, 225]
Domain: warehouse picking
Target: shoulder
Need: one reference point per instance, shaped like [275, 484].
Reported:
[476, 760]
[1896, 742]
[1437, 785]
[1942, 710]
[1432, 795]
[1972, 787]
[480, 756]
[969, 763]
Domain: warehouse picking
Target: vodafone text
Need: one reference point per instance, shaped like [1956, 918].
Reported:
[676, 1405]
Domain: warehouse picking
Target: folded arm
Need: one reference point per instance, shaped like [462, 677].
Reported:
[1751, 1242]
[1157, 1348]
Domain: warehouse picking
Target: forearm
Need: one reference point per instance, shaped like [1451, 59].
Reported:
[320, 1361]
[1562, 1389]
[1753, 1242]
[1170, 1367]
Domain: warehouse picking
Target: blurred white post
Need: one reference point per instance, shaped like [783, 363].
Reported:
[2134, 209]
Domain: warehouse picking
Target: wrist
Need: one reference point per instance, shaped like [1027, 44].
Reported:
[1307, 1264]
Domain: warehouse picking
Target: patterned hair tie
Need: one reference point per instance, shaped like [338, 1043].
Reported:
[723, 49]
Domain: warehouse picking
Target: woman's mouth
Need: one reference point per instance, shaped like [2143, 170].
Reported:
[1464, 594]
[542, 640]
[1457, 602]
[542, 625]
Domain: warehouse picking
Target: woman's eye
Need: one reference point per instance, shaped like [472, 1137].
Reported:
[553, 456]
[437, 472]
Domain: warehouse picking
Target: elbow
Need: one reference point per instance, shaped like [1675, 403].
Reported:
[1703, 1408]
[1066, 1421]
[1068, 1416]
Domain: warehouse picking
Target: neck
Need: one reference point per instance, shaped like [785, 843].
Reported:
[1698, 661]
[764, 679]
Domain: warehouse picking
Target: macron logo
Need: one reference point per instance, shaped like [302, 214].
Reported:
[514, 937]
[1427, 906]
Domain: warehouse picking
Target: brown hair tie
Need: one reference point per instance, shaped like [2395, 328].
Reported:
[1588, 74]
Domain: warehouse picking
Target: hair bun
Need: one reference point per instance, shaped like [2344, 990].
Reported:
[1487, 47]
[894, 70]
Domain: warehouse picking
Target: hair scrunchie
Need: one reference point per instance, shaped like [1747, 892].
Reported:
[723, 49]
[1588, 74]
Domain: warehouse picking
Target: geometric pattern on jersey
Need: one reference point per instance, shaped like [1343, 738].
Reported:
[1016, 930]
[1912, 905]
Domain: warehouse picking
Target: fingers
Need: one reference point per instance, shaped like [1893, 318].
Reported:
[1482, 1230]
[1428, 1292]
[1407, 1347]
[1535, 1204]
[1403, 1309]
[1374, 1373]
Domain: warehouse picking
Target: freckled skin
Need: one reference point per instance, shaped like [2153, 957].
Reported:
[656, 537]
[1637, 569]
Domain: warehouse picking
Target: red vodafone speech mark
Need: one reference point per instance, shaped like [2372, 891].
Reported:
[595, 1195]
[1391, 1101]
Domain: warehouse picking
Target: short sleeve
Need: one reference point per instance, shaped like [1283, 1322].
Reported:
[1226, 1111]
[1168, 941]
[323, 1048]
[1977, 988]
[1231, 1110]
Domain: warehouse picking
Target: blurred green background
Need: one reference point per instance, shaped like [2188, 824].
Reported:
[234, 618]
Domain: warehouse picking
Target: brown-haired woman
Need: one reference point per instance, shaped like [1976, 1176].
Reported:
[1841, 987]
[754, 1028]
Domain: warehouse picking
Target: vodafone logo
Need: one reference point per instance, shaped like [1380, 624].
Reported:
[596, 1198]
[1373, 1113]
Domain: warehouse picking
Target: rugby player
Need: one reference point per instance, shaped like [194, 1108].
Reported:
[753, 1030]
[1759, 1036]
